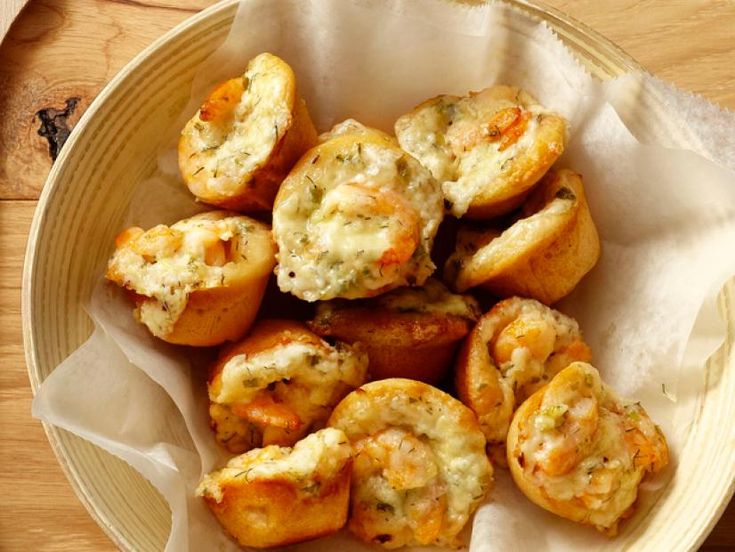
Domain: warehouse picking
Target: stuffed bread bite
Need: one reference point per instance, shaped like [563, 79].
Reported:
[246, 136]
[514, 350]
[279, 383]
[277, 495]
[356, 217]
[543, 255]
[408, 332]
[576, 449]
[419, 467]
[199, 281]
[487, 149]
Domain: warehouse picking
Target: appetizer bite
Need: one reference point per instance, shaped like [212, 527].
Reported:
[279, 383]
[355, 218]
[246, 136]
[408, 332]
[579, 451]
[198, 282]
[419, 467]
[543, 255]
[514, 350]
[487, 149]
[277, 495]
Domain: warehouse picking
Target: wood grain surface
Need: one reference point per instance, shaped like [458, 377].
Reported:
[57, 56]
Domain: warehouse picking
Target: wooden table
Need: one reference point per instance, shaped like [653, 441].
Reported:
[58, 50]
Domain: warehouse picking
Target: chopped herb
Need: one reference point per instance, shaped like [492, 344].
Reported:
[313, 161]
[196, 172]
[250, 382]
[385, 507]
[565, 193]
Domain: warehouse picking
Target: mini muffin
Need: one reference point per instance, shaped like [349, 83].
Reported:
[279, 383]
[199, 281]
[514, 350]
[408, 332]
[419, 465]
[487, 149]
[578, 450]
[246, 136]
[355, 218]
[543, 255]
[277, 495]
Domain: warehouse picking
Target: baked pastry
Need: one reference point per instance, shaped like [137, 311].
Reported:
[277, 495]
[419, 468]
[246, 136]
[408, 332]
[199, 281]
[543, 255]
[578, 450]
[487, 149]
[279, 383]
[514, 350]
[356, 217]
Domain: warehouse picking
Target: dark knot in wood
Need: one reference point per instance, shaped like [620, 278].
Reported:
[54, 125]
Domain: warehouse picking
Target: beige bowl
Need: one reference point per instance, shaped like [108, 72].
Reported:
[115, 142]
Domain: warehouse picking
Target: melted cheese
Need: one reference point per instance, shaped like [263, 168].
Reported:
[432, 297]
[311, 464]
[228, 149]
[357, 219]
[167, 264]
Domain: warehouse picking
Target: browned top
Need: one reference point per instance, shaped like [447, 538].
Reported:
[58, 50]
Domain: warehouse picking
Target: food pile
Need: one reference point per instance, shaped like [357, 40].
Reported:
[337, 418]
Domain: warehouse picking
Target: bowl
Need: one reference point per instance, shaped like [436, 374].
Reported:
[115, 141]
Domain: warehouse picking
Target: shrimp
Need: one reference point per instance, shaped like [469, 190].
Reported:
[220, 105]
[264, 411]
[505, 126]
[384, 208]
[533, 333]
[579, 424]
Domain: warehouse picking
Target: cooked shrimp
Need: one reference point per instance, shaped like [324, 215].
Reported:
[579, 451]
[487, 149]
[247, 134]
[407, 486]
[284, 381]
[515, 349]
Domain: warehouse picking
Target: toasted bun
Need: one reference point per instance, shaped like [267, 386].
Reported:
[199, 282]
[543, 255]
[487, 149]
[408, 487]
[247, 135]
[355, 218]
[515, 349]
[410, 332]
[577, 450]
[277, 496]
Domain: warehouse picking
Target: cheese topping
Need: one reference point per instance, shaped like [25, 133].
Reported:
[286, 389]
[310, 465]
[166, 264]
[584, 444]
[355, 218]
[432, 297]
[478, 145]
[238, 127]
[420, 469]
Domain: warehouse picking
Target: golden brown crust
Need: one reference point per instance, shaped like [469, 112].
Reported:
[214, 312]
[535, 341]
[545, 261]
[254, 190]
[634, 450]
[488, 148]
[407, 487]
[270, 513]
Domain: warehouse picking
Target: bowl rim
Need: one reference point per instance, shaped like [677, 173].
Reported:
[570, 31]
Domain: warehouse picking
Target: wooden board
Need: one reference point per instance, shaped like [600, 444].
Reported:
[58, 50]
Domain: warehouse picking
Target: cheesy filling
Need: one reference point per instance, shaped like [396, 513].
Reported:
[457, 140]
[432, 297]
[311, 465]
[166, 264]
[363, 219]
[307, 380]
[246, 124]
[585, 445]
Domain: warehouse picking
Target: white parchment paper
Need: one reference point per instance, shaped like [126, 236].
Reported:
[666, 218]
